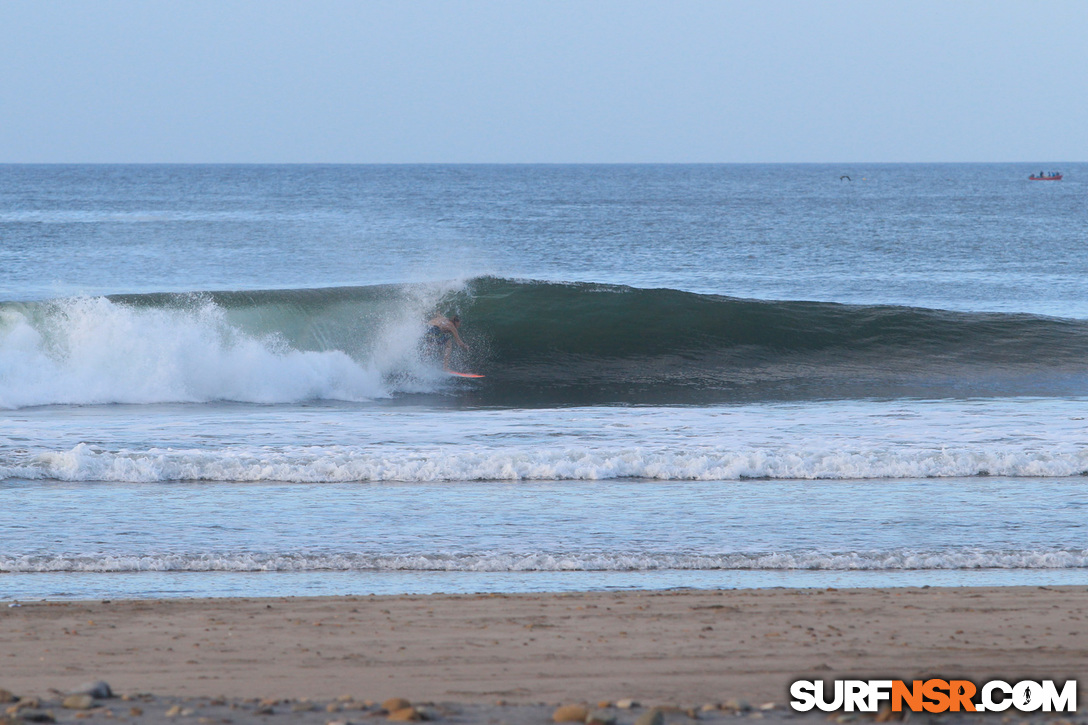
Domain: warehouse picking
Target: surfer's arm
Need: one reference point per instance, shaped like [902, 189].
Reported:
[452, 329]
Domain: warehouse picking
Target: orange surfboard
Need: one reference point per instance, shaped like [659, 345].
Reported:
[464, 375]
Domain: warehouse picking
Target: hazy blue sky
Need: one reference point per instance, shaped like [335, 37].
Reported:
[543, 81]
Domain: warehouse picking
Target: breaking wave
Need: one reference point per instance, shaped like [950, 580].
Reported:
[539, 343]
[893, 560]
[342, 464]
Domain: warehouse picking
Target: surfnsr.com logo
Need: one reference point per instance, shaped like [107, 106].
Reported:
[934, 695]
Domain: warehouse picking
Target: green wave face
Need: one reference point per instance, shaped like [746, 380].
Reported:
[592, 343]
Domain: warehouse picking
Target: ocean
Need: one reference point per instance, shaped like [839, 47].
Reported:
[214, 379]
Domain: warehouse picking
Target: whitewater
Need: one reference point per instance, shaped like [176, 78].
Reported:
[695, 376]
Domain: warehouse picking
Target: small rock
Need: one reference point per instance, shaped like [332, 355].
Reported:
[77, 702]
[603, 704]
[33, 715]
[736, 705]
[302, 707]
[570, 713]
[31, 702]
[6, 696]
[262, 710]
[767, 706]
[396, 703]
[653, 716]
[710, 707]
[345, 698]
[135, 711]
[600, 717]
[98, 690]
[626, 703]
[174, 711]
[841, 719]
[404, 714]
[332, 707]
[337, 722]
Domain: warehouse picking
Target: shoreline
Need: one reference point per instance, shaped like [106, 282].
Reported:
[69, 586]
[685, 647]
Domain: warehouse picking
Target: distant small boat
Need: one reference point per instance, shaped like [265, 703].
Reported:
[1046, 177]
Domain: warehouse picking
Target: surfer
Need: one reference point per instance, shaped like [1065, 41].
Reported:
[442, 333]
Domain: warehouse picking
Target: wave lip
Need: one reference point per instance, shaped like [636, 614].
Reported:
[344, 464]
[496, 562]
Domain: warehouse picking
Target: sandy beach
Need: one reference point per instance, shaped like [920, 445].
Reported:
[683, 648]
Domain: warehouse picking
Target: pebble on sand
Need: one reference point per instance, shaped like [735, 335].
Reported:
[77, 702]
[24, 703]
[601, 717]
[395, 703]
[405, 714]
[570, 713]
[7, 696]
[653, 716]
[99, 690]
[626, 703]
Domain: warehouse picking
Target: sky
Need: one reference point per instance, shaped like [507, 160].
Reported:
[543, 81]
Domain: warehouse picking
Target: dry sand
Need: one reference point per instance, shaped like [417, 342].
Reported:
[685, 648]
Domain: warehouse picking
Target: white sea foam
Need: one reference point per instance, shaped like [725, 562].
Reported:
[336, 464]
[93, 350]
[893, 560]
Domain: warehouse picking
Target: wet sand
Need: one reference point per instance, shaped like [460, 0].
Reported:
[685, 648]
